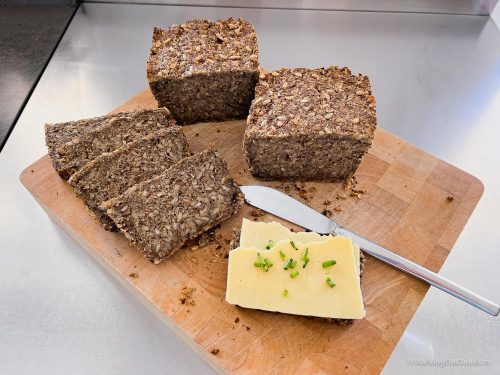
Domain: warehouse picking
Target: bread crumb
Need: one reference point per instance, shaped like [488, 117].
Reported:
[327, 212]
[338, 208]
[351, 190]
[257, 212]
[133, 275]
[235, 240]
[237, 319]
[327, 202]
[186, 297]
[450, 198]
[215, 351]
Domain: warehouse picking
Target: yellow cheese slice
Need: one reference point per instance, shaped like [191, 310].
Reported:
[258, 234]
[308, 293]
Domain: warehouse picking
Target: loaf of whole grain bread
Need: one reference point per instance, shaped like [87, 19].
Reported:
[110, 174]
[309, 124]
[203, 70]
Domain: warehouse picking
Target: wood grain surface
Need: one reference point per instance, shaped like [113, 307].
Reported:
[406, 208]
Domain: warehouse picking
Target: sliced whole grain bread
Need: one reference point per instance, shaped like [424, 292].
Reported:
[161, 214]
[90, 138]
[110, 174]
[58, 134]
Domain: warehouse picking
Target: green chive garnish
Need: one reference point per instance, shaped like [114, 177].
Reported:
[269, 244]
[305, 254]
[268, 262]
[294, 263]
[263, 262]
[285, 293]
[294, 274]
[282, 255]
[257, 264]
[305, 258]
[293, 245]
[330, 282]
[288, 264]
[329, 263]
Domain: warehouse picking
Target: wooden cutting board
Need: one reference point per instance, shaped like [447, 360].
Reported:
[415, 204]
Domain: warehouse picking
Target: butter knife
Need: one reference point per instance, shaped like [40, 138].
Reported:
[290, 209]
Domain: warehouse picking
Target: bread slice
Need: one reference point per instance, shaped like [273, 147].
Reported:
[161, 214]
[58, 134]
[110, 174]
[109, 135]
[309, 124]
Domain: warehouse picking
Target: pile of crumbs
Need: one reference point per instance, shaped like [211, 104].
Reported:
[186, 297]
[257, 213]
[350, 189]
[298, 189]
[235, 239]
[330, 211]
[207, 238]
[215, 246]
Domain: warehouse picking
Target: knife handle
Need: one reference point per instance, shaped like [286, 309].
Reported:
[421, 273]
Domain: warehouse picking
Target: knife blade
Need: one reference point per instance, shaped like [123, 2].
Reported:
[290, 209]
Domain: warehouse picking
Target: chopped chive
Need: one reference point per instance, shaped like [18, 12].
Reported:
[268, 262]
[329, 263]
[294, 274]
[293, 245]
[305, 258]
[269, 244]
[294, 263]
[282, 255]
[257, 264]
[263, 262]
[285, 293]
[330, 282]
[288, 264]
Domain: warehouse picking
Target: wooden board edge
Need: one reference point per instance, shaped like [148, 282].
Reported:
[25, 172]
[207, 357]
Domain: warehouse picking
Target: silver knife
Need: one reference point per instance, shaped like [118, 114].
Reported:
[288, 208]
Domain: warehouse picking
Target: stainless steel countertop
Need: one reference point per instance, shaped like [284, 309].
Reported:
[437, 82]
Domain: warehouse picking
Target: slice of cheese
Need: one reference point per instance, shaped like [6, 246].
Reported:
[308, 293]
[258, 235]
